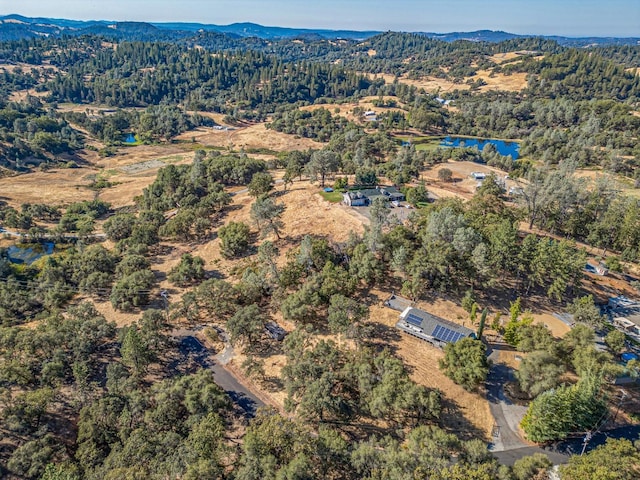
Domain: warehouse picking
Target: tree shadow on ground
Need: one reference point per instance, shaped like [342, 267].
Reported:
[452, 419]
[384, 337]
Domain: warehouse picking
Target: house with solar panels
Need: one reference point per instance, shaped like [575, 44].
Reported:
[430, 328]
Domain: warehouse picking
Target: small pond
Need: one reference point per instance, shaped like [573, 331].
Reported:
[29, 253]
[511, 149]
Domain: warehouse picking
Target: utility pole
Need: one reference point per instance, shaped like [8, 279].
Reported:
[585, 442]
[589, 435]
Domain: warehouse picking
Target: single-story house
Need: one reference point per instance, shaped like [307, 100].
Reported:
[365, 196]
[355, 199]
[478, 175]
[432, 329]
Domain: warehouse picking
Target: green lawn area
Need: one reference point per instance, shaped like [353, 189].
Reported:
[433, 145]
[333, 197]
[427, 142]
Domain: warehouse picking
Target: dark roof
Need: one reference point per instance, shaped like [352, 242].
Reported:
[391, 190]
[421, 323]
[370, 192]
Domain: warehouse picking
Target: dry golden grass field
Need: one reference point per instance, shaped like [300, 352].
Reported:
[346, 109]
[498, 81]
[53, 187]
[253, 136]
[64, 186]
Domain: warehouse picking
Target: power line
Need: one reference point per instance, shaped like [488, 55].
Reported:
[65, 286]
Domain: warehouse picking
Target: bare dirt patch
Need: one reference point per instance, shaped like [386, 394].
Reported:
[558, 327]
[464, 186]
[216, 117]
[167, 153]
[142, 166]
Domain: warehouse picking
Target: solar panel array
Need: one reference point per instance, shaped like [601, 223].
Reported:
[445, 334]
[414, 320]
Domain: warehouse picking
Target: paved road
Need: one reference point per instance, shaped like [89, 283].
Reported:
[509, 446]
[241, 395]
[506, 414]
[560, 452]
[574, 445]
[509, 457]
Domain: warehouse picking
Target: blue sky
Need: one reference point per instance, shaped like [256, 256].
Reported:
[548, 17]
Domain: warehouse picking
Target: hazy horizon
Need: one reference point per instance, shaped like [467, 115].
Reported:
[614, 18]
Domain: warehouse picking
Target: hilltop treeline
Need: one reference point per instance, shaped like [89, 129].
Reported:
[141, 74]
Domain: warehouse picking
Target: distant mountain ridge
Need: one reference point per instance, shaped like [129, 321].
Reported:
[15, 27]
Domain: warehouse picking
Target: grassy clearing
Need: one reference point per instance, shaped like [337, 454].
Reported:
[333, 197]
[423, 142]
[429, 146]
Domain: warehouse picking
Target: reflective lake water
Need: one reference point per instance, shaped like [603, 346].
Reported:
[511, 149]
[29, 253]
